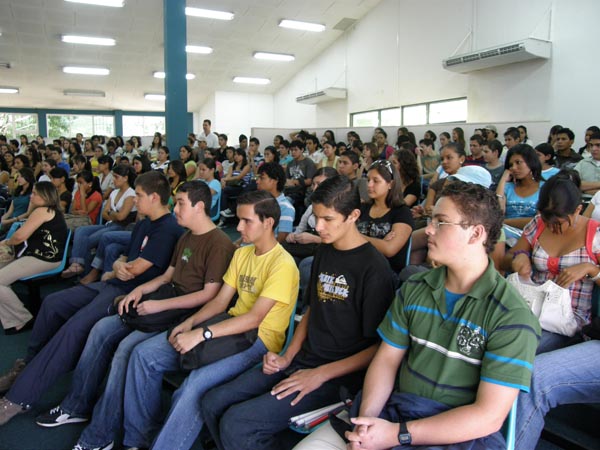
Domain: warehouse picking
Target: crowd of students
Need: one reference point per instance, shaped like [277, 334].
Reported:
[437, 362]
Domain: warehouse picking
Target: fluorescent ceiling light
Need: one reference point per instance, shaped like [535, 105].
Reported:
[274, 56]
[188, 76]
[87, 40]
[84, 93]
[86, 70]
[113, 3]
[198, 49]
[296, 25]
[250, 80]
[208, 13]
[9, 90]
[158, 97]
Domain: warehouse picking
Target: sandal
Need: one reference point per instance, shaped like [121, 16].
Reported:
[73, 270]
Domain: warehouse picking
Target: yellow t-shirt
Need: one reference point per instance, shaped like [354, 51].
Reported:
[273, 275]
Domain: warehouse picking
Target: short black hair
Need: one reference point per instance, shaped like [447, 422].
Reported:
[197, 191]
[353, 157]
[559, 197]
[242, 137]
[312, 138]
[297, 143]
[265, 205]
[207, 121]
[477, 138]
[255, 140]
[275, 172]
[568, 132]
[513, 132]
[529, 156]
[495, 146]
[155, 182]
[339, 193]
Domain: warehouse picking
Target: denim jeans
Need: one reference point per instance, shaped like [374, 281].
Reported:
[142, 402]
[566, 376]
[244, 414]
[551, 341]
[112, 245]
[305, 268]
[107, 417]
[85, 239]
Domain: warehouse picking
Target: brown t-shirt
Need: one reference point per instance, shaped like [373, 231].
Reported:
[200, 259]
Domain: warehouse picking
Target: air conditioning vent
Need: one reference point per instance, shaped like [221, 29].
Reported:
[5, 65]
[325, 95]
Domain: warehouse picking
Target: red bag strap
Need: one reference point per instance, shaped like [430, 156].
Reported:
[589, 239]
[540, 226]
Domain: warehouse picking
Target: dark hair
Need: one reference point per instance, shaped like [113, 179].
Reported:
[524, 128]
[89, 177]
[242, 153]
[547, 150]
[105, 159]
[255, 140]
[568, 132]
[559, 197]
[59, 172]
[553, 131]
[275, 172]
[327, 172]
[273, 150]
[265, 205]
[297, 143]
[409, 170]
[495, 146]
[166, 150]
[212, 165]
[339, 193]
[330, 135]
[388, 172]
[595, 135]
[353, 157]
[278, 137]
[125, 170]
[285, 143]
[479, 139]
[456, 148]
[35, 155]
[51, 162]
[381, 131]
[197, 191]
[24, 159]
[373, 149]
[478, 206]
[49, 193]
[207, 121]
[432, 135]
[242, 137]
[82, 159]
[461, 135]
[357, 145]
[223, 136]
[155, 182]
[146, 165]
[190, 151]
[179, 168]
[513, 133]
[445, 134]
[27, 174]
[529, 156]
[312, 138]
[426, 142]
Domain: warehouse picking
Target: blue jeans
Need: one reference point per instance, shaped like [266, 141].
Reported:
[89, 374]
[59, 335]
[244, 414]
[551, 341]
[142, 403]
[85, 239]
[305, 268]
[111, 246]
[566, 376]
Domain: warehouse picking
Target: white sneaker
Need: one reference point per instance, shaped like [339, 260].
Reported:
[228, 213]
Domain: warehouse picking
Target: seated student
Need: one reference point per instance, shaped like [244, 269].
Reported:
[406, 164]
[271, 178]
[586, 150]
[512, 137]
[589, 168]
[566, 157]
[207, 170]
[194, 277]
[546, 154]
[56, 156]
[47, 166]
[331, 347]
[119, 212]
[64, 186]
[458, 343]
[560, 377]
[87, 200]
[235, 181]
[299, 173]
[331, 157]
[44, 234]
[162, 159]
[66, 317]
[266, 280]
[19, 208]
[429, 159]
[476, 143]
[386, 221]
[491, 154]
[107, 182]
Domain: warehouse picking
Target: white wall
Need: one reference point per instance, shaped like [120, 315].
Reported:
[237, 113]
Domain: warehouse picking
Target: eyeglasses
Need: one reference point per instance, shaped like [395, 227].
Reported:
[438, 223]
[382, 162]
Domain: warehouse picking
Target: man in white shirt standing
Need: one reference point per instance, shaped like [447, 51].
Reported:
[212, 140]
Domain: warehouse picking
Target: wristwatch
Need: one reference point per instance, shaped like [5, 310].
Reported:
[404, 436]
[207, 334]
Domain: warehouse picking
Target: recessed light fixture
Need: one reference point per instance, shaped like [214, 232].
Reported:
[198, 49]
[70, 39]
[86, 70]
[9, 90]
[251, 80]
[156, 97]
[208, 13]
[113, 3]
[274, 56]
[306, 26]
[188, 76]
[84, 93]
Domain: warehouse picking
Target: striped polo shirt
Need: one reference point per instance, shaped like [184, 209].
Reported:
[490, 336]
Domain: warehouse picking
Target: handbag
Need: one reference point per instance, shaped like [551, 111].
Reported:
[549, 302]
[75, 221]
[215, 349]
[7, 253]
[159, 321]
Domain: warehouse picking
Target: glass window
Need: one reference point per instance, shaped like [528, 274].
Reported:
[414, 115]
[448, 111]
[143, 125]
[391, 117]
[365, 119]
[88, 125]
[14, 125]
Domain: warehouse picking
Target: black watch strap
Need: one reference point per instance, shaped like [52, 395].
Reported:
[404, 436]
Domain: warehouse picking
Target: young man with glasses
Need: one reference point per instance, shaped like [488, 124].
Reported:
[458, 343]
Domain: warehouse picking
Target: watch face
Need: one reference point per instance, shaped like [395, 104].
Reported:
[207, 334]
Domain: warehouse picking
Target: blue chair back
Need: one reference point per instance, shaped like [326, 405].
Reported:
[408, 250]
[215, 212]
[510, 425]
[14, 227]
[56, 270]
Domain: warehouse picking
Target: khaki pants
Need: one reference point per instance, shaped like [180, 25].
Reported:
[12, 311]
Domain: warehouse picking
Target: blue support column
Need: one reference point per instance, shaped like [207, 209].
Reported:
[176, 115]
[42, 124]
[118, 122]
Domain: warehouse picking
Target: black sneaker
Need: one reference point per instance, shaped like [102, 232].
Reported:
[57, 417]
